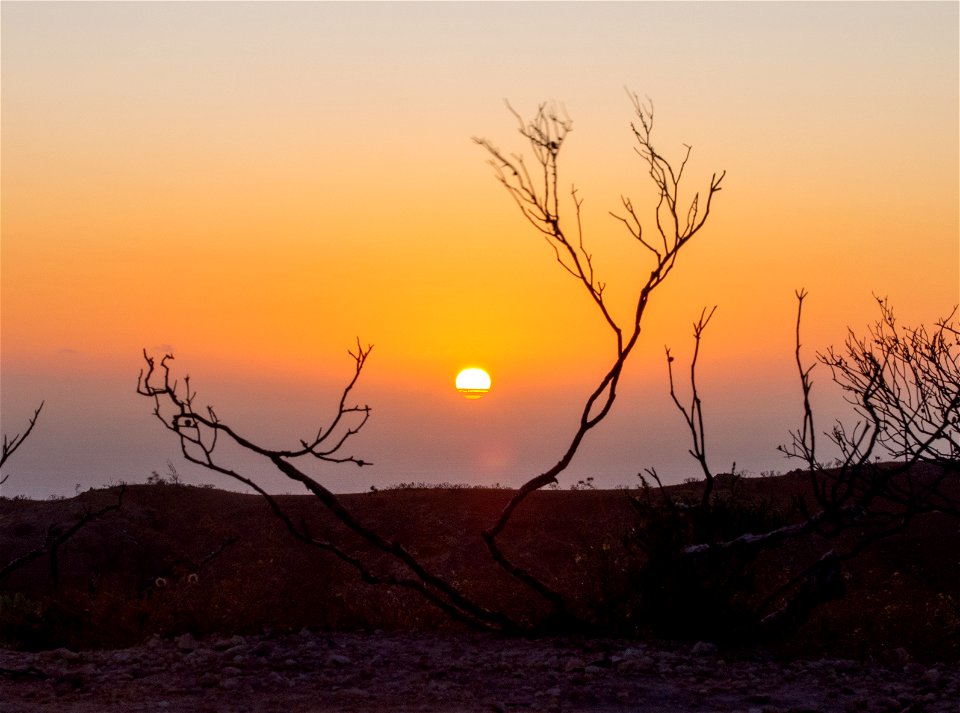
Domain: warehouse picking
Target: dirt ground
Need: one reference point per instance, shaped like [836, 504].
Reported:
[338, 672]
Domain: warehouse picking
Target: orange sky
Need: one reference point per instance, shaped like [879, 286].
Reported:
[255, 185]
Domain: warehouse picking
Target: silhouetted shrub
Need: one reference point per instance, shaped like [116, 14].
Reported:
[703, 596]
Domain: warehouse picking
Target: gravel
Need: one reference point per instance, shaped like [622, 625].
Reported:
[398, 672]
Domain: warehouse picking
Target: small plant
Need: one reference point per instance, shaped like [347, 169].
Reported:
[171, 477]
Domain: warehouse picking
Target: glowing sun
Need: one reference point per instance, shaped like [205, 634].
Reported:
[473, 383]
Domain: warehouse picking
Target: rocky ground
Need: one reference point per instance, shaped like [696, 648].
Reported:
[338, 672]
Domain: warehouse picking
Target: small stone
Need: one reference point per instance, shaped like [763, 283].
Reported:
[339, 660]
[186, 642]
[897, 657]
[277, 679]
[228, 643]
[355, 692]
[573, 664]
[644, 663]
[67, 655]
[886, 703]
[703, 648]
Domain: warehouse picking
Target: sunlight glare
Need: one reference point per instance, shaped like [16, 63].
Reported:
[473, 383]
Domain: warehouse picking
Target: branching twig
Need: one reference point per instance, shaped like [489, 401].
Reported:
[10, 445]
[539, 203]
[694, 415]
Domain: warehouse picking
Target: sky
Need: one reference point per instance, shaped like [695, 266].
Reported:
[255, 186]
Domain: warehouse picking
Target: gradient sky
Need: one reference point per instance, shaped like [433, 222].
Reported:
[255, 185]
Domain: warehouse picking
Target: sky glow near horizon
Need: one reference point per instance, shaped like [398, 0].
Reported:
[253, 186]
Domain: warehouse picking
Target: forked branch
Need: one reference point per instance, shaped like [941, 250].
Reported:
[10, 445]
[538, 200]
[693, 416]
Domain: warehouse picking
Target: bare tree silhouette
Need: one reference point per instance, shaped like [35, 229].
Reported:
[537, 193]
[676, 221]
[904, 387]
[201, 433]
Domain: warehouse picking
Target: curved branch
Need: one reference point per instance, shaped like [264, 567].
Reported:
[198, 441]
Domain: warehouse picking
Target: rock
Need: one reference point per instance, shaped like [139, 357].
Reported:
[574, 664]
[898, 657]
[262, 649]
[225, 643]
[355, 692]
[643, 663]
[703, 648]
[339, 660]
[186, 642]
[277, 680]
[67, 655]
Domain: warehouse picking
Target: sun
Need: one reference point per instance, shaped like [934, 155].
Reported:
[473, 383]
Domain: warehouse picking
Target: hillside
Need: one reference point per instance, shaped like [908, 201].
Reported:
[176, 559]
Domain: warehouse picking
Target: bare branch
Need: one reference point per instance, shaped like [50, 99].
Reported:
[198, 439]
[10, 445]
[56, 537]
[693, 416]
[539, 205]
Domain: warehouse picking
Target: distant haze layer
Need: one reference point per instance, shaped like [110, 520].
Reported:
[252, 186]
